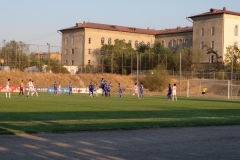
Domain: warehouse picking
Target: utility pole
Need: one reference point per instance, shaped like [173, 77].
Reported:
[48, 56]
[232, 72]
[180, 74]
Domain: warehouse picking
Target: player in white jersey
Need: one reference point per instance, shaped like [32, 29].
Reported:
[34, 90]
[174, 92]
[59, 88]
[135, 90]
[30, 87]
[8, 89]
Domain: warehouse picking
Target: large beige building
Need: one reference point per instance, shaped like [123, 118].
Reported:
[216, 29]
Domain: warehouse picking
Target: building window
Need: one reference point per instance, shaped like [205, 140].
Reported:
[212, 58]
[72, 40]
[212, 31]
[66, 51]
[66, 41]
[163, 43]
[236, 44]
[202, 45]
[212, 44]
[148, 44]
[89, 40]
[72, 62]
[186, 42]
[89, 51]
[180, 42]
[89, 62]
[72, 51]
[109, 41]
[202, 32]
[102, 41]
[66, 62]
[174, 43]
[136, 43]
[130, 42]
[236, 30]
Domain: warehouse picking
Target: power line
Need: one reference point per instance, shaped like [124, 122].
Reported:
[42, 37]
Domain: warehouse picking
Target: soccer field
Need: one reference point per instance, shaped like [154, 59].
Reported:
[63, 113]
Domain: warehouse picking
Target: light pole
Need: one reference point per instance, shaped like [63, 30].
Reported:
[180, 74]
[232, 71]
[48, 56]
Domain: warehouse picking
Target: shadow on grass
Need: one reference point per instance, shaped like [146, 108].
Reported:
[33, 122]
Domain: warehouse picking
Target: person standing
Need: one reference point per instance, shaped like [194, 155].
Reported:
[55, 88]
[109, 87]
[204, 91]
[21, 88]
[91, 87]
[30, 87]
[8, 89]
[141, 91]
[102, 86]
[34, 90]
[70, 88]
[96, 90]
[59, 88]
[169, 92]
[174, 92]
[120, 90]
[135, 90]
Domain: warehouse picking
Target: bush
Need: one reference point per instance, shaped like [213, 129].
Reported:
[157, 79]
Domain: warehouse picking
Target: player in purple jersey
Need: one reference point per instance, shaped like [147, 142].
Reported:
[120, 90]
[141, 91]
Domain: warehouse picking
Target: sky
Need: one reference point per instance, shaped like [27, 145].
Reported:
[37, 21]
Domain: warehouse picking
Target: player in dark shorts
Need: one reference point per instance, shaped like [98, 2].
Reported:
[21, 88]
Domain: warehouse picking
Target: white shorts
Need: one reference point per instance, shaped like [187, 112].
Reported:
[174, 93]
[30, 89]
[8, 89]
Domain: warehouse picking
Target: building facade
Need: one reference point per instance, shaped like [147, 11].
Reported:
[215, 29]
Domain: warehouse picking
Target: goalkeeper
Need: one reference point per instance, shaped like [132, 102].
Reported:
[204, 91]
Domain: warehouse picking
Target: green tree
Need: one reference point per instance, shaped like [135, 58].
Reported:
[157, 79]
[232, 55]
[190, 59]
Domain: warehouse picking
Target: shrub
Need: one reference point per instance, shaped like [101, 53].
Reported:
[157, 79]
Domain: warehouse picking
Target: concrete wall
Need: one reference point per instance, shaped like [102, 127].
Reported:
[97, 34]
[207, 22]
[181, 40]
[230, 21]
[76, 42]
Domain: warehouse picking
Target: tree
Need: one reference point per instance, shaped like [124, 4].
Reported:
[190, 59]
[232, 55]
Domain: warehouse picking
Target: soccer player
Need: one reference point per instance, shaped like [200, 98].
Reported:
[120, 90]
[141, 91]
[204, 91]
[174, 92]
[109, 86]
[91, 87]
[70, 88]
[96, 90]
[34, 90]
[105, 89]
[59, 88]
[169, 92]
[8, 89]
[102, 86]
[135, 90]
[21, 88]
[30, 87]
[55, 88]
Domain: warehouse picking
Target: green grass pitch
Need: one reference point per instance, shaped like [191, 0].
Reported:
[63, 113]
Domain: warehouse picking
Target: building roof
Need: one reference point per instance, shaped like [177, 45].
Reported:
[111, 27]
[216, 12]
[175, 30]
[128, 29]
